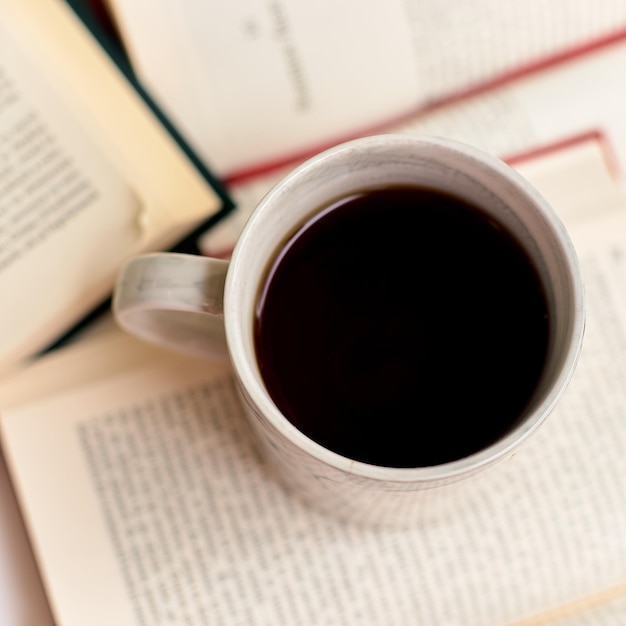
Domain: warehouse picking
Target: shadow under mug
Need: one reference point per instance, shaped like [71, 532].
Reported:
[206, 307]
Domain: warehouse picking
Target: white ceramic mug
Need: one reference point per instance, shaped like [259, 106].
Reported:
[206, 306]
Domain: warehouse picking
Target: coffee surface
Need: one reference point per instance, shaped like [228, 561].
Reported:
[402, 327]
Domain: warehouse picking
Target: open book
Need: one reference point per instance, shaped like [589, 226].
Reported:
[257, 86]
[88, 176]
[255, 83]
[147, 501]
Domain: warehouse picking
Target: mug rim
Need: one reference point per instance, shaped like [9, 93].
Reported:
[243, 356]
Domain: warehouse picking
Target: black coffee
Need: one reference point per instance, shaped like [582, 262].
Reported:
[402, 327]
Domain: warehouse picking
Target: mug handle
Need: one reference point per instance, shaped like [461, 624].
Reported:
[175, 301]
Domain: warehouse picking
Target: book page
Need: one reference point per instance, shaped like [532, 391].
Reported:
[255, 82]
[23, 600]
[59, 238]
[88, 176]
[157, 478]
